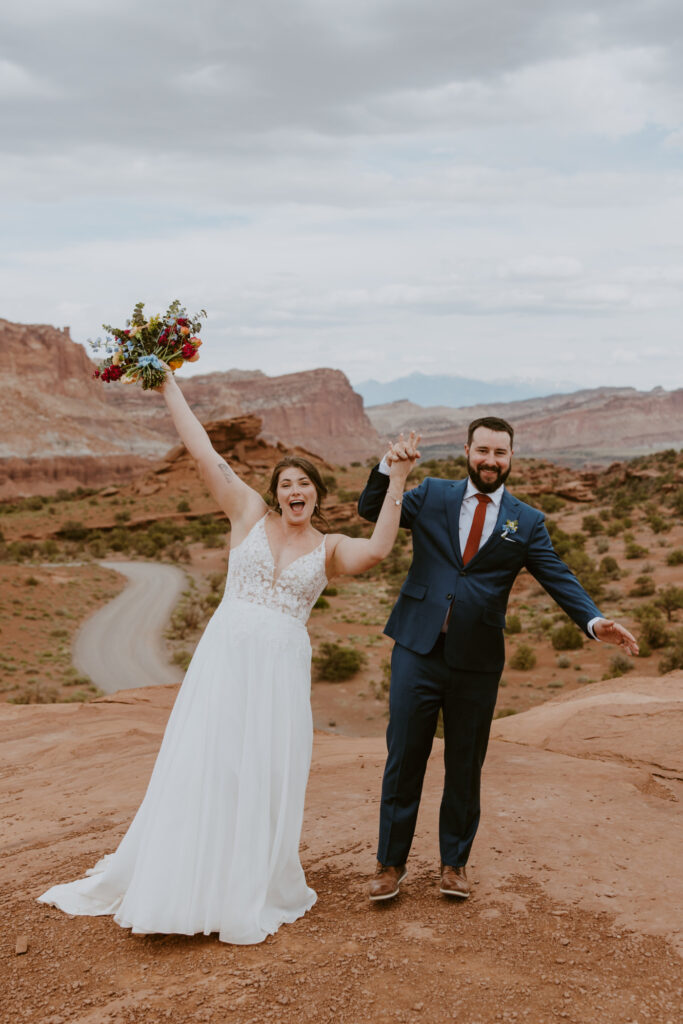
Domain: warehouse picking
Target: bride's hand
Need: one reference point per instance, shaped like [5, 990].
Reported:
[402, 455]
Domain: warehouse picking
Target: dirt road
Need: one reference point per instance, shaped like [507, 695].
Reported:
[120, 646]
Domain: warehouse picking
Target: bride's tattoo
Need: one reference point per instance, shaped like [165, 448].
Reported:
[228, 473]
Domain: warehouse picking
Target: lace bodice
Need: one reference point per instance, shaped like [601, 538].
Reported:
[251, 576]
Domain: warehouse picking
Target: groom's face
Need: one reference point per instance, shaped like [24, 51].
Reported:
[489, 458]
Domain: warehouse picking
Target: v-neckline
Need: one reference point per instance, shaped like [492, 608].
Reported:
[277, 575]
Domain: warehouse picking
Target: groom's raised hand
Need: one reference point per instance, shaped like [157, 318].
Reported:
[614, 633]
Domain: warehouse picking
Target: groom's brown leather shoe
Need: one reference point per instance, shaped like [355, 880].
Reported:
[454, 882]
[384, 885]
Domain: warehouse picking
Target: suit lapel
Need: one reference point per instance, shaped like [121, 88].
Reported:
[507, 510]
[453, 505]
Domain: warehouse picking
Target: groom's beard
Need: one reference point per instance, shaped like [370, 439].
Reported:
[488, 486]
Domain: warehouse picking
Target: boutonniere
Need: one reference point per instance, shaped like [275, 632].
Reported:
[510, 527]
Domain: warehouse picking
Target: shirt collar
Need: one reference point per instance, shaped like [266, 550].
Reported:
[495, 496]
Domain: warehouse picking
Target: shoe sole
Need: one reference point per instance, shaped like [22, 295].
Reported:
[454, 892]
[390, 895]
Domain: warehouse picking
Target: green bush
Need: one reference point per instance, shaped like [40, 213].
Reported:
[670, 599]
[513, 624]
[566, 637]
[609, 567]
[523, 658]
[619, 665]
[334, 662]
[592, 525]
[652, 628]
[673, 659]
[643, 586]
[634, 550]
[73, 530]
[183, 505]
[322, 602]
[675, 557]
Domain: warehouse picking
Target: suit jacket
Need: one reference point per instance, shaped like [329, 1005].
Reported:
[479, 591]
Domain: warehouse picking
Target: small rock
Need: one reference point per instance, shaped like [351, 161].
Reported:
[22, 945]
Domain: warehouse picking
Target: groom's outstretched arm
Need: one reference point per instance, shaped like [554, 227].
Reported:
[370, 501]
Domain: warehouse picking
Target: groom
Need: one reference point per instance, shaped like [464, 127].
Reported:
[470, 540]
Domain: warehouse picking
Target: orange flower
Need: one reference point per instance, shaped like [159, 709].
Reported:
[175, 364]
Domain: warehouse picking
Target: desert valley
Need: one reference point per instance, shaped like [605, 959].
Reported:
[576, 864]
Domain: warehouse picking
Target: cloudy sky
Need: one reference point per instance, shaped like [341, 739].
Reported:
[478, 187]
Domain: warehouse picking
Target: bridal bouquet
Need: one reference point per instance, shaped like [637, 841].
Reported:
[136, 351]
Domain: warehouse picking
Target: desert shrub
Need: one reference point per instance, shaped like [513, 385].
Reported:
[187, 616]
[182, 657]
[634, 550]
[183, 505]
[652, 630]
[344, 495]
[322, 602]
[523, 658]
[330, 481]
[178, 552]
[549, 503]
[122, 517]
[31, 581]
[619, 665]
[119, 539]
[505, 712]
[643, 586]
[334, 662]
[658, 523]
[49, 548]
[566, 637]
[563, 661]
[73, 530]
[602, 545]
[330, 591]
[609, 567]
[592, 525]
[670, 599]
[644, 649]
[513, 624]
[145, 545]
[675, 557]
[673, 659]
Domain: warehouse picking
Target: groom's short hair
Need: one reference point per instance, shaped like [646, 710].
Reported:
[491, 423]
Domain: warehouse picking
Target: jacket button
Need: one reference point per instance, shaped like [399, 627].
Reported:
[463, 573]
[449, 597]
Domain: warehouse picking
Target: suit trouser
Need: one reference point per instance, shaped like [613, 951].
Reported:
[422, 684]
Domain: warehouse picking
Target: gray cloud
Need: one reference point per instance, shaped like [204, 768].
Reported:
[335, 182]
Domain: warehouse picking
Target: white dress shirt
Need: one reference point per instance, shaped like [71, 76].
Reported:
[467, 509]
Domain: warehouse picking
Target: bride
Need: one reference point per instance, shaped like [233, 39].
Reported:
[214, 846]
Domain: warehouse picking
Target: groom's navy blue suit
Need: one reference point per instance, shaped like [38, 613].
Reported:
[458, 671]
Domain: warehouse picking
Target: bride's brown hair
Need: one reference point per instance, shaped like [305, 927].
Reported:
[311, 472]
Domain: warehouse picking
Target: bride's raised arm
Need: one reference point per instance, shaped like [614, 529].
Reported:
[241, 503]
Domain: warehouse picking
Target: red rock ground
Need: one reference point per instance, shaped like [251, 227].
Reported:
[576, 897]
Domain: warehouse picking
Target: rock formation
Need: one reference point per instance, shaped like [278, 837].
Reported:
[60, 424]
[597, 425]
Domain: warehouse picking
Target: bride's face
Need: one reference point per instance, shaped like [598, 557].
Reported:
[296, 495]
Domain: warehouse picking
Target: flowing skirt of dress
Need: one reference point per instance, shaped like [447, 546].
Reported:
[214, 846]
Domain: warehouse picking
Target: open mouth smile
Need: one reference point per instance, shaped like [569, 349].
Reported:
[297, 505]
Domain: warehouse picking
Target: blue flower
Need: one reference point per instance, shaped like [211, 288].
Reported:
[150, 361]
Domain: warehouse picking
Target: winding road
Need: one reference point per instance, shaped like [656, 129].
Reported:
[121, 646]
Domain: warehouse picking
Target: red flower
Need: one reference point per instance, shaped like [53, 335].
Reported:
[182, 321]
[188, 350]
[96, 372]
[111, 373]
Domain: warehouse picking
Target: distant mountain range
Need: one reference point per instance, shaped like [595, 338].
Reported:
[439, 389]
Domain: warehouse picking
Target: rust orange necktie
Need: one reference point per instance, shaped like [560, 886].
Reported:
[474, 536]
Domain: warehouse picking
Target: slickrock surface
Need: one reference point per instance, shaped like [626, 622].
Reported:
[574, 910]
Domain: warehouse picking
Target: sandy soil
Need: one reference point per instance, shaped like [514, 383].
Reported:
[577, 892]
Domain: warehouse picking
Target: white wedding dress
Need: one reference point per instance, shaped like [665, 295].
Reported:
[214, 846]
